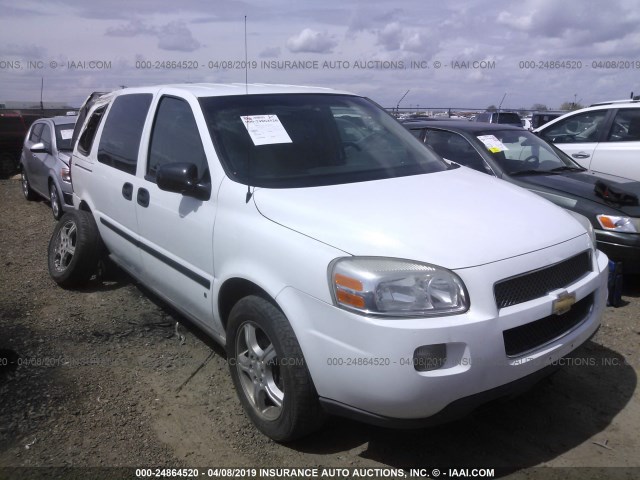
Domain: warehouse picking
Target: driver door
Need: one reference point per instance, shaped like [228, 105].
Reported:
[578, 135]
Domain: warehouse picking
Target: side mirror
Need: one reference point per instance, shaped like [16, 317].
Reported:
[39, 148]
[182, 178]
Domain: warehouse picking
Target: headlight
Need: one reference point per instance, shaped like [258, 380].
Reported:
[587, 225]
[65, 174]
[395, 287]
[619, 224]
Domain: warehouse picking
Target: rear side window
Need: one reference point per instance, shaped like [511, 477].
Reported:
[626, 126]
[175, 138]
[36, 131]
[120, 139]
[86, 139]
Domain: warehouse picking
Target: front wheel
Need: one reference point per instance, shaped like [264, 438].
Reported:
[56, 204]
[26, 186]
[269, 371]
[74, 249]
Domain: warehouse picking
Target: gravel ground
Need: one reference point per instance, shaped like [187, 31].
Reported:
[105, 378]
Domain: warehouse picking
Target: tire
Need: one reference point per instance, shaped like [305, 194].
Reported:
[28, 193]
[56, 204]
[74, 249]
[279, 397]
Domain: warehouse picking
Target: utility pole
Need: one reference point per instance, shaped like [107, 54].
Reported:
[398, 104]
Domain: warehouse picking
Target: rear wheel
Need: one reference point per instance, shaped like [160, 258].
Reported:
[74, 249]
[56, 204]
[269, 371]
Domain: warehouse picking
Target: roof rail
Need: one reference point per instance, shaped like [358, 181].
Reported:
[613, 102]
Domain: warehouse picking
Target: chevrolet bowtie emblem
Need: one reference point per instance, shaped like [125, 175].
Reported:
[563, 303]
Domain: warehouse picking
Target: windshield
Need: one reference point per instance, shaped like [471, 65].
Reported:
[63, 136]
[297, 140]
[520, 152]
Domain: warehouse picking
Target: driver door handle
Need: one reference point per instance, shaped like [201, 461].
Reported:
[127, 191]
[143, 197]
[580, 155]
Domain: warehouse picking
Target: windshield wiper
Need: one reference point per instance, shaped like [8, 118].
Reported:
[531, 172]
[566, 168]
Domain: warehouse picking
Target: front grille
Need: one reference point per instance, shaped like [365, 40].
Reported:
[532, 335]
[538, 283]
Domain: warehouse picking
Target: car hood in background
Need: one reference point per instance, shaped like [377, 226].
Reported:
[582, 185]
[456, 218]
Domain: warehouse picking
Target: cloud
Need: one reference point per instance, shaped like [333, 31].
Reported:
[390, 37]
[174, 36]
[28, 51]
[393, 37]
[574, 21]
[363, 19]
[312, 42]
[131, 29]
[270, 52]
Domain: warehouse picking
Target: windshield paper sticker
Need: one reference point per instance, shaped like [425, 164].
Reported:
[492, 143]
[66, 134]
[265, 129]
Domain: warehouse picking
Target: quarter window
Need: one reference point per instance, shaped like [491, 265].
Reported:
[120, 139]
[175, 138]
[86, 139]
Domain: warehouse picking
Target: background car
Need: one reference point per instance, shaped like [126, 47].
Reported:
[12, 131]
[505, 118]
[520, 157]
[44, 163]
[603, 138]
[540, 118]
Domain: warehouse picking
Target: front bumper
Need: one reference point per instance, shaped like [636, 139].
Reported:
[365, 365]
[621, 247]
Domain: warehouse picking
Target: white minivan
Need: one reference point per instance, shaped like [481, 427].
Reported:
[346, 268]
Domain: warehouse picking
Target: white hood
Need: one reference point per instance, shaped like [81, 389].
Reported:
[431, 218]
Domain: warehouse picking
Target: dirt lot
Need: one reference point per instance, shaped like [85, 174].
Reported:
[105, 379]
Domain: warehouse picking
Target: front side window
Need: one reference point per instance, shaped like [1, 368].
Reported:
[36, 131]
[626, 126]
[297, 140]
[45, 138]
[175, 138]
[455, 147]
[120, 139]
[580, 128]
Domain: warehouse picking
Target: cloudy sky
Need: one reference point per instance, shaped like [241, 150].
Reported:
[455, 53]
